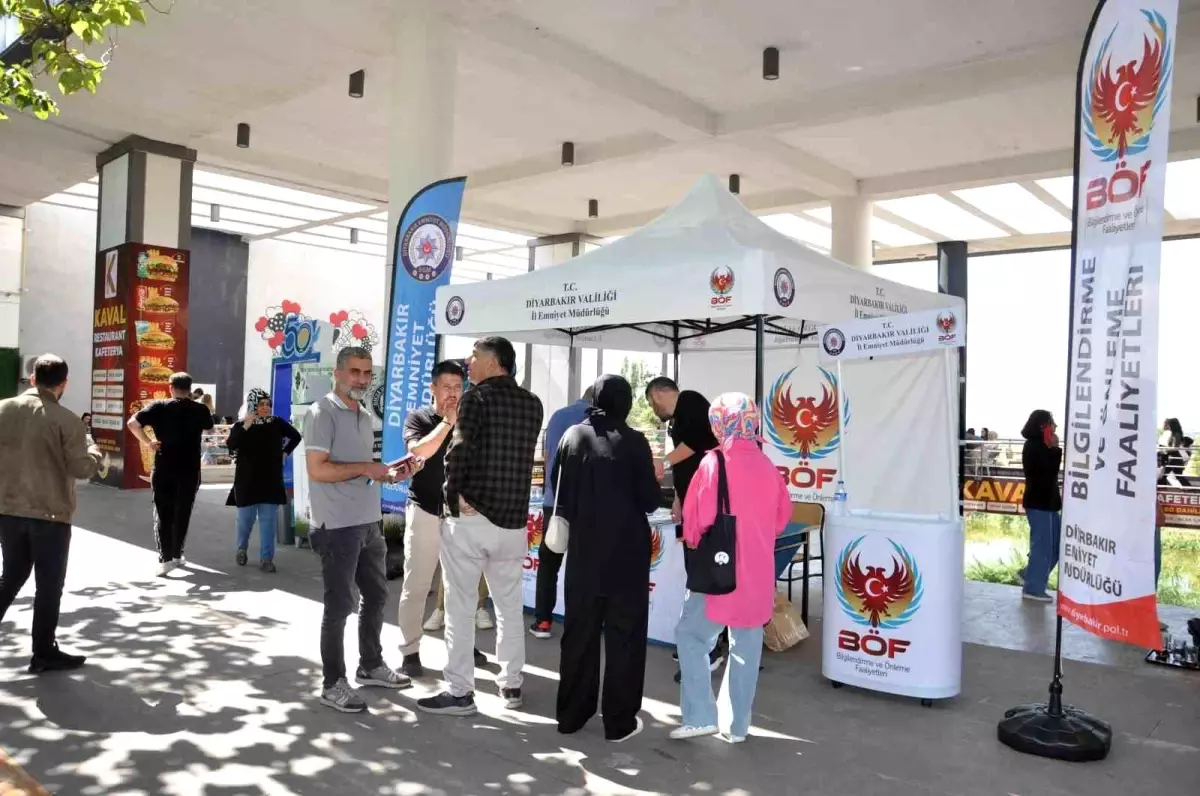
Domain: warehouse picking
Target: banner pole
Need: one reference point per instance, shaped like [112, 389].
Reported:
[952, 406]
[841, 449]
[1049, 729]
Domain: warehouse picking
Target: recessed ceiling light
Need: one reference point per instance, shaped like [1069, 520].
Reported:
[854, 68]
[771, 63]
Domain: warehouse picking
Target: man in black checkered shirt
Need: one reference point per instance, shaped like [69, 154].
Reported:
[489, 466]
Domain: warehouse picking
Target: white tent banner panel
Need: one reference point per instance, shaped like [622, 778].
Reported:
[706, 259]
[914, 333]
[894, 412]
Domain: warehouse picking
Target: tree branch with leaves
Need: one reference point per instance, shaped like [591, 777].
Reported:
[56, 38]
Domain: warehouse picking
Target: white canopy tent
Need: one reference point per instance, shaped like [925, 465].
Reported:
[705, 267]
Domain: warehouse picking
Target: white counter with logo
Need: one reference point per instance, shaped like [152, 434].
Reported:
[668, 579]
[893, 603]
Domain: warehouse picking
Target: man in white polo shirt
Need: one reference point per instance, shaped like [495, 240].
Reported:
[347, 530]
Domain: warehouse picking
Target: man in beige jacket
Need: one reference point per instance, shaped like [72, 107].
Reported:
[45, 449]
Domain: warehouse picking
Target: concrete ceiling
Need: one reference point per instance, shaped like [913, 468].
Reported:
[878, 99]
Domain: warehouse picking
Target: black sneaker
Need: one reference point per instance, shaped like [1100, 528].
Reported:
[411, 667]
[512, 697]
[241, 557]
[480, 658]
[446, 704]
[541, 629]
[268, 566]
[55, 660]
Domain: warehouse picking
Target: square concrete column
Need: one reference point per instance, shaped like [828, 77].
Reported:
[140, 318]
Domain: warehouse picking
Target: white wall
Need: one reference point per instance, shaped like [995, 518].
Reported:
[321, 281]
[56, 308]
[10, 280]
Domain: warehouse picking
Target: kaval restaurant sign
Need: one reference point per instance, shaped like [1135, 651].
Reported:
[1106, 570]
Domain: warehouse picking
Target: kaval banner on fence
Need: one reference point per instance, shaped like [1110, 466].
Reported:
[421, 261]
[1106, 569]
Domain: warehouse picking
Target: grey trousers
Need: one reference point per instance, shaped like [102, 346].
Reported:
[356, 555]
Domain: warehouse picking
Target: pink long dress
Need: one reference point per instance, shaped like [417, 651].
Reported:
[759, 499]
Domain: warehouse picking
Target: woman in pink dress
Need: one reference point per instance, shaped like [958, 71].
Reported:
[758, 498]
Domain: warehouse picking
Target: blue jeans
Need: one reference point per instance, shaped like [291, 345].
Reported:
[267, 514]
[1045, 528]
[695, 636]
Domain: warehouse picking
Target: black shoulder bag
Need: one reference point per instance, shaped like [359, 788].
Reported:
[712, 566]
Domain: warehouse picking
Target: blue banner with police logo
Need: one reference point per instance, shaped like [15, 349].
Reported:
[421, 262]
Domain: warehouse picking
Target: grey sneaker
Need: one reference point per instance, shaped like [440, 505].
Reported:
[382, 677]
[512, 697]
[344, 698]
[268, 566]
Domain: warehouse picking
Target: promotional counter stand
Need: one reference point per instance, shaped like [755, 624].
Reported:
[894, 590]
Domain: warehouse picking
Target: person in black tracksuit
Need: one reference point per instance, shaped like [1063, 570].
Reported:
[608, 487]
[179, 425]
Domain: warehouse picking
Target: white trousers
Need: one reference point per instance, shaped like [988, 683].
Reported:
[422, 545]
[472, 546]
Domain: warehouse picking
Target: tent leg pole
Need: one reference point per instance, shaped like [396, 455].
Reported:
[760, 338]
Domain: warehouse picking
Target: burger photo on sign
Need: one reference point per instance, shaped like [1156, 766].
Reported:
[156, 266]
[153, 338]
[151, 303]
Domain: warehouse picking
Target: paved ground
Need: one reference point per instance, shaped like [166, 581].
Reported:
[201, 685]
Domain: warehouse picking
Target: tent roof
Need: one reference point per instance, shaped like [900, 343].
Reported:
[708, 259]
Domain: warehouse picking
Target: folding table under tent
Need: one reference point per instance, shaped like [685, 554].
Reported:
[709, 279]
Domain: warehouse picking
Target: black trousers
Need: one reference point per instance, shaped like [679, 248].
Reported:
[42, 547]
[622, 622]
[549, 564]
[174, 496]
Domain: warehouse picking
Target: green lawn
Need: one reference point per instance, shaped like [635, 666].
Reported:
[997, 545]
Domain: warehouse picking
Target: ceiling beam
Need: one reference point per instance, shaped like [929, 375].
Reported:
[534, 52]
[811, 172]
[588, 158]
[904, 223]
[1046, 198]
[776, 201]
[966, 206]
[1185, 144]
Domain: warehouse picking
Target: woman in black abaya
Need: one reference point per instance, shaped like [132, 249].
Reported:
[608, 487]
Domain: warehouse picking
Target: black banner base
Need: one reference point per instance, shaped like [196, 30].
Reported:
[1073, 735]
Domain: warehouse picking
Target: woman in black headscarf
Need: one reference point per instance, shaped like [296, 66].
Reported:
[608, 487]
[260, 443]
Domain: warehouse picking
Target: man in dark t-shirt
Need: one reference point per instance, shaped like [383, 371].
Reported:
[686, 414]
[427, 433]
[178, 426]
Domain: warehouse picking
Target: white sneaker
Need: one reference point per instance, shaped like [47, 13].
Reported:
[181, 562]
[483, 620]
[691, 731]
[730, 738]
[166, 567]
[436, 621]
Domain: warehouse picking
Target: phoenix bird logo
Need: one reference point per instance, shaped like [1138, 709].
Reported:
[657, 548]
[807, 428]
[946, 322]
[1121, 104]
[874, 597]
[534, 532]
[721, 280]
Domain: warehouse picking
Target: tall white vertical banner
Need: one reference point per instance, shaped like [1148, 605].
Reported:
[1106, 570]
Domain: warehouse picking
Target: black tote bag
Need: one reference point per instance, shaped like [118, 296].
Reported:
[712, 566]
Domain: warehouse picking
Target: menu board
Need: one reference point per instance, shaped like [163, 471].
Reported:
[139, 335]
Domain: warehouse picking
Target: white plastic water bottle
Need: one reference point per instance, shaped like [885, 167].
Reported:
[839, 499]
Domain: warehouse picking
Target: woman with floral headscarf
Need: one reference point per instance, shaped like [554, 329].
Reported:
[260, 443]
[758, 498]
